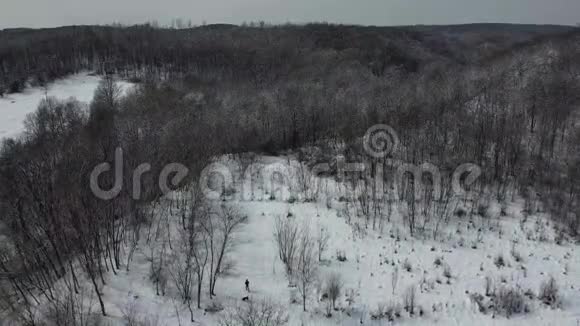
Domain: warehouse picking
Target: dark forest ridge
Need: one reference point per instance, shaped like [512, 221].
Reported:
[471, 27]
[56, 52]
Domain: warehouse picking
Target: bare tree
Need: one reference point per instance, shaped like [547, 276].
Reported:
[221, 228]
[333, 288]
[395, 279]
[287, 237]
[322, 241]
[158, 271]
[410, 300]
[190, 264]
[262, 313]
[306, 265]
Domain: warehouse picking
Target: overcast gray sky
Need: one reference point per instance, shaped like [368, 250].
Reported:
[48, 13]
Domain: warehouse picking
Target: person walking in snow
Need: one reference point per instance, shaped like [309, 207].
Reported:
[247, 285]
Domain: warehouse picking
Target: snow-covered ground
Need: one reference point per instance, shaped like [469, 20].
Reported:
[468, 247]
[15, 107]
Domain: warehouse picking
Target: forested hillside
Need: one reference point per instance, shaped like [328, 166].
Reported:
[502, 97]
[257, 54]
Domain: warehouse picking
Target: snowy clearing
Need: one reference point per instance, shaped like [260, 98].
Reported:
[15, 107]
[444, 274]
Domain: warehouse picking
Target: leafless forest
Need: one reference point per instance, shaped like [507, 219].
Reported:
[502, 97]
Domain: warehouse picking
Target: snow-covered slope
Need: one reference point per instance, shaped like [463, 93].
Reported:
[15, 107]
[467, 252]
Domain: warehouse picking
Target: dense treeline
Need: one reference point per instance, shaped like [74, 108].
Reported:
[250, 52]
[55, 220]
[206, 92]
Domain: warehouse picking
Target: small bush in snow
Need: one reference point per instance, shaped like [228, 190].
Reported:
[395, 279]
[438, 261]
[390, 312]
[489, 287]
[530, 294]
[350, 297]
[474, 245]
[516, 255]
[503, 211]
[407, 266]
[549, 293]
[510, 301]
[68, 308]
[410, 300]
[479, 301]
[134, 317]
[541, 231]
[499, 261]
[294, 296]
[333, 289]
[340, 256]
[256, 314]
[460, 212]
[560, 236]
[482, 209]
[214, 306]
[447, 271]
[328, 203]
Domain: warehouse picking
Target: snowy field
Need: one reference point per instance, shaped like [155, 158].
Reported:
[444, 273]
[15, 107]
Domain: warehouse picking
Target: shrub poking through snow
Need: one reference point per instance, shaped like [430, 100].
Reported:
[134, 317]
[390, 312]
[410, 300]
[333, 288]
[510, 301]
[447, 271]
[482, 209]
[460, 212]
[68, 308]
[322, 241]
[407, 266]
[262, 313]
[350, 297]
[214, 306]
[489, 287]
[548, 293]
[438, 261]
[530, 294]
[395, 279]
[516, 255]
[340, 255]
[479, 300]
[499, 261]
